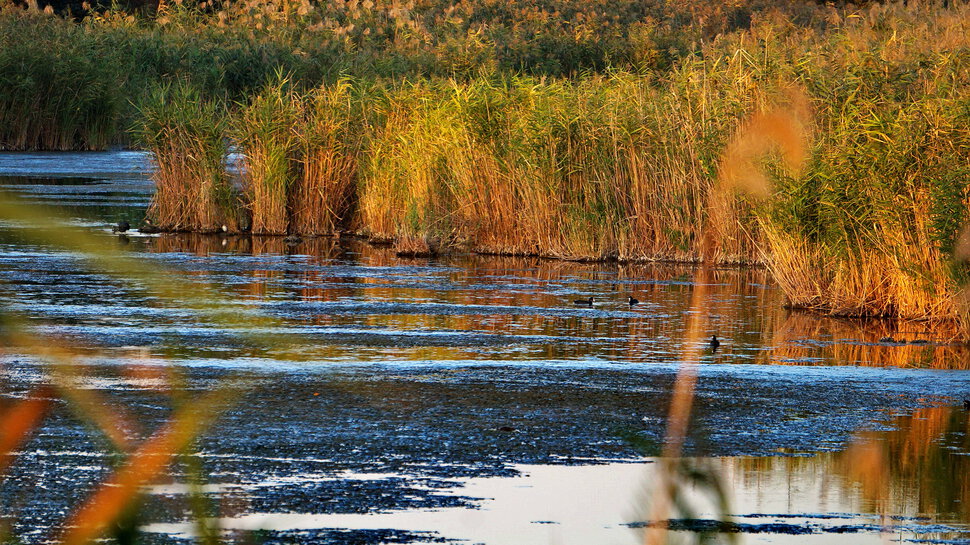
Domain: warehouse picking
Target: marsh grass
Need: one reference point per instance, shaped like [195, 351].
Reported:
[605, 168]
[329, 135]
[64, 95]
[266, 130]
[613, 164]
[186, 134]
[870, 228]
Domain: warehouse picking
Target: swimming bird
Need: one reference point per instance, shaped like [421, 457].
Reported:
[587, 302]
[148, 227]
[633, 300]
[714, 342]
[122, 226]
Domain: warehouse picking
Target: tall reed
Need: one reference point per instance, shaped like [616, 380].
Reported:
[266, 130]
[871, 227]
[187, 137]
[330, 134]
[60, 85]
[608, 167]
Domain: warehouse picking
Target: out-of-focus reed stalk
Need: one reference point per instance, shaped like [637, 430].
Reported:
[778, 128]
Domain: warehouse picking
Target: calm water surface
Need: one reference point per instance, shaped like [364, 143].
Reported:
[466, 397]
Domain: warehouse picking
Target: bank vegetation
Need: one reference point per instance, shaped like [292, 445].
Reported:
[831, 144]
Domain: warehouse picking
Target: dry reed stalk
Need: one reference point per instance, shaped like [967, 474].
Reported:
[187, 189]
[267, 134]
[145, 465]
[780, 129]
[381, 206]
[321, 198]
[489, 213]
[330, 142]
[186, 135]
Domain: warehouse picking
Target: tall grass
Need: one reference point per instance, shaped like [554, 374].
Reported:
[59, 87]
[329, 137]
[187, 137]
[870, 229]
[71, 85]
[608, 167]
[267, 136]
[612, 164]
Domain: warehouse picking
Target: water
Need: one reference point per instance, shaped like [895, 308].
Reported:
[465, 397]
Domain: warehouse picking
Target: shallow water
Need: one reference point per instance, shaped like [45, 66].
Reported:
[449, 380]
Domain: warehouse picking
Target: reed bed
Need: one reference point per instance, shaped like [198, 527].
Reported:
[615, 163]
[329, 137]
[187, 135]
[581, 170]
[871, 227]
[265, 129]
[61, 96]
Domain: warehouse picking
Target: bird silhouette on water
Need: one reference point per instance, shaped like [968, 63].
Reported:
[714, 343]
[122, 226]
[585, 302]
[633, 300]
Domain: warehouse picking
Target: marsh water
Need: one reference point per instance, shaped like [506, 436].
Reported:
[467, 398]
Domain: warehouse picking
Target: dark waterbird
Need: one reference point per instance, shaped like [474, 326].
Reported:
[121, 227]
[586, 302]
[633, 300]
[714, 342]
[966, 404]
[148, 227]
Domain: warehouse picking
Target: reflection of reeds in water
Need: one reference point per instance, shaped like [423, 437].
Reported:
[916, 468]
[803, 338]
[669, 289]
[322, 248]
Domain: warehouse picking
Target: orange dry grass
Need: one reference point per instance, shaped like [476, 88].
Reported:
[329, 148]
[907, 279]
[267, 130]
[323, 194]
[185, 189]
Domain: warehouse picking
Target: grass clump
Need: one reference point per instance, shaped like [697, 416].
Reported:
[871, 228]
[187, 136]
[267, 136]
[607, 167]
[330, 133]
[59, 89]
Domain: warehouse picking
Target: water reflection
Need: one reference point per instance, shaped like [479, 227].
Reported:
[908, 483]
[335, 285]
[334, 282]
[915, 475]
